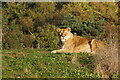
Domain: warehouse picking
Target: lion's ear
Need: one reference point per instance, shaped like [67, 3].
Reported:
[69, 29]
[58, 29]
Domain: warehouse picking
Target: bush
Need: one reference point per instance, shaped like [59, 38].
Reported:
[13, 39]
[48, 37]
[89, 28]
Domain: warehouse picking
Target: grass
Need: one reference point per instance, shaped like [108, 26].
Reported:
[40, 63]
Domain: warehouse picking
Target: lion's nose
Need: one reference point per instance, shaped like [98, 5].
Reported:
[61, 35]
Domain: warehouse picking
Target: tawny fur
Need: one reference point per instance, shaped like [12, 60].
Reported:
[76, 44]
[106, 58]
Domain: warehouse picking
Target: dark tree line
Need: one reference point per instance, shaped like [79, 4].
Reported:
[33, 24]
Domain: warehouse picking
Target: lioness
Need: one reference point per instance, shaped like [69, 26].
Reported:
[76, 44]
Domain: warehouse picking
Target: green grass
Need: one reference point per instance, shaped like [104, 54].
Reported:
[40, 63]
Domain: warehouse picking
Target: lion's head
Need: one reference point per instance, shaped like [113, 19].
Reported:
[65, 33]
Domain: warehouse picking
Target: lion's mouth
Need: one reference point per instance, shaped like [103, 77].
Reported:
[63, 39]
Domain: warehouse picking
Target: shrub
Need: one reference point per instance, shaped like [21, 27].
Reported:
[88, 28]
[47, 36]
[13, 38]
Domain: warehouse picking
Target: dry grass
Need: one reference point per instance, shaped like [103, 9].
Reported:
[108, 61]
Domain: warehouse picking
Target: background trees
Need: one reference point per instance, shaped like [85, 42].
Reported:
[33, 25]
[88, 28]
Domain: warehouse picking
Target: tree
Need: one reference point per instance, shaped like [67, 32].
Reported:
[92, 10]
[89, 28]
[24, 23]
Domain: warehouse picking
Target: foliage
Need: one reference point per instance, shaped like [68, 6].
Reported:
[27, 63]
[32, 25]
[92, 10]
[88, 28]
[47, 36]
[13, 38]
[39, 63]
[21, 25]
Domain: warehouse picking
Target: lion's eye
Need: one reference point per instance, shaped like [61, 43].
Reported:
[63, 30]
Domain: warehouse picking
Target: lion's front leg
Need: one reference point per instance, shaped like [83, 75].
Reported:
[57, 51]
[60, 50]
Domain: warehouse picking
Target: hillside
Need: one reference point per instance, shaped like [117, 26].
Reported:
[28, 63]
[33, 25]
[29, 34]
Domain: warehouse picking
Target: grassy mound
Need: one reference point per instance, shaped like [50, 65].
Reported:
[40, 63]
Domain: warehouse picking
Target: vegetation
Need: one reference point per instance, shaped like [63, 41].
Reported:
[88, 28]
[40, 63]
[33, 25]
[29, 34]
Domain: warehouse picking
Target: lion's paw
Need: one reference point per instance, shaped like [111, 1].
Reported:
[53, 51]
